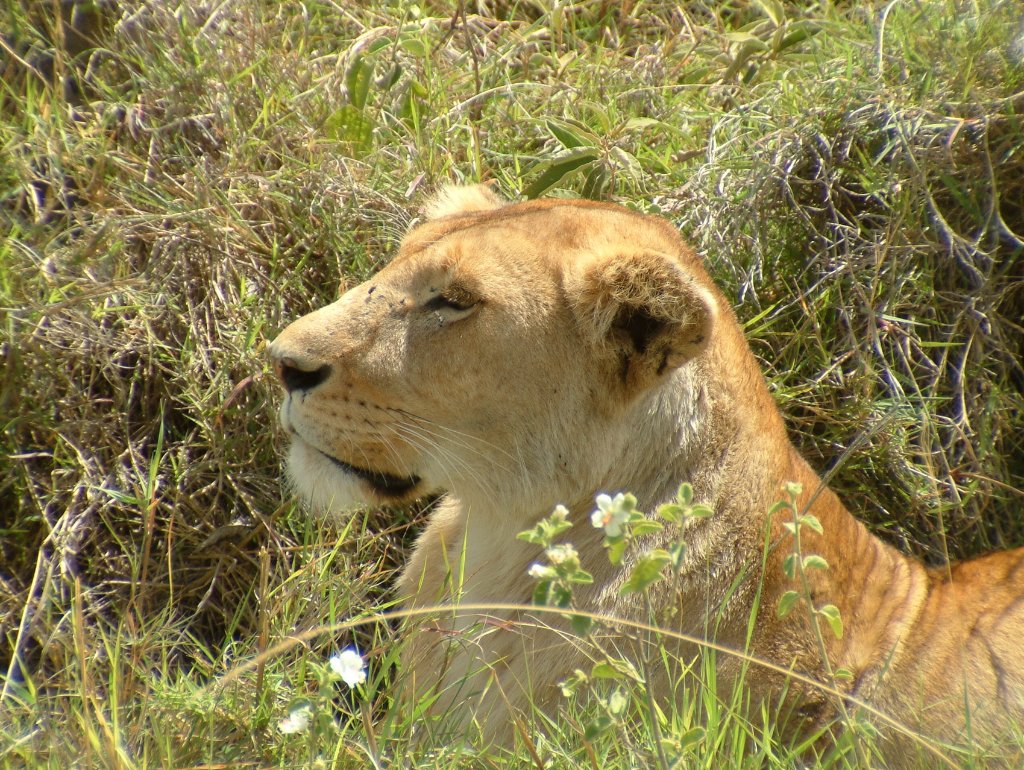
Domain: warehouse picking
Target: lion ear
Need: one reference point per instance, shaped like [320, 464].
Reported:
[649, 312]
[459, 199]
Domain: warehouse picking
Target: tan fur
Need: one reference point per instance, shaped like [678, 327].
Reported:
[582, 348]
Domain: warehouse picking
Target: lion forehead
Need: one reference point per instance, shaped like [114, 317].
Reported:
[556, 234]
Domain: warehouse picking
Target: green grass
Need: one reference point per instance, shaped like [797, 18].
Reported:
[854, 175]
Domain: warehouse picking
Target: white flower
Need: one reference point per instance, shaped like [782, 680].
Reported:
[562, 553]
[610, 515]
[538, 571]
[561, 513]
[350, 666]
[297, 720]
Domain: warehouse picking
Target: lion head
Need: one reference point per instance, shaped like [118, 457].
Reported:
[496, 357]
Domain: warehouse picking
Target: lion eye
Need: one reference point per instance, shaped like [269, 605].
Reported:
[453, 298]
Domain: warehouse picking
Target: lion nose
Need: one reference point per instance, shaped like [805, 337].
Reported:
[295, 376]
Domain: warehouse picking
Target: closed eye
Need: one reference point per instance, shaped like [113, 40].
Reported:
[452, 298]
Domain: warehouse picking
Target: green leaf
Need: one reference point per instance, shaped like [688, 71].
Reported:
[417, 46]
[647, 571]
[685, 493]
[605, 670]
[552, 528]
[843, 674]
[739, 36]
[351, 125]
[797, 33]
[700, 511]
[357, 82]
[672, 512]
[743, 55]
[534, 536]
[814, 561]
[545, 531]
[560, 596]
[654, 164]
[379, 44]
[551, 172]
[627, 161]
[581, 576]
[616, 548]
[617, 702]
[596, 182]
[418, 89]
[595, 728]
[787, 602]
[831, 614]
[789, 565]
[570, 136]
[639, 124]
[691, 738]
[811, 521]
[773, 10]
[121, 497]
[645, 527]
[581, 624]
[599, 115]
[541, 591]
[392, 77]
[615, 668]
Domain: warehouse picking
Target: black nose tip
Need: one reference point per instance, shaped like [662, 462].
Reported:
[295, 378]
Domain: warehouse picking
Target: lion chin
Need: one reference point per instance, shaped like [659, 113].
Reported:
[519, 357]
[330, 486]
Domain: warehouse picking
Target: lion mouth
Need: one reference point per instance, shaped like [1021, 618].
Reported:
[384, 484]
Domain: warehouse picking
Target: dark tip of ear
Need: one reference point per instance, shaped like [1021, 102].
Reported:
[639, 326]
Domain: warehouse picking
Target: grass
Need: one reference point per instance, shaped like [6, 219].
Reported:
[174, 193]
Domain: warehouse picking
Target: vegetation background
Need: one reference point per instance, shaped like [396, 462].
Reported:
[178, 180]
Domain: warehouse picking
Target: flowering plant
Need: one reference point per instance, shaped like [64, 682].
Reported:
[316, 713]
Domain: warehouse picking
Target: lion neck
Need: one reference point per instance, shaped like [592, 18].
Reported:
[745, 477]
[714, 425]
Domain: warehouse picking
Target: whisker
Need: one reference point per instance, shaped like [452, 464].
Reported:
[449, 431]
[427, 447]
[428, 444]
[423, 427]
[452, 458]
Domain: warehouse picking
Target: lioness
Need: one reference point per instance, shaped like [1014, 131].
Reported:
[517, 357]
